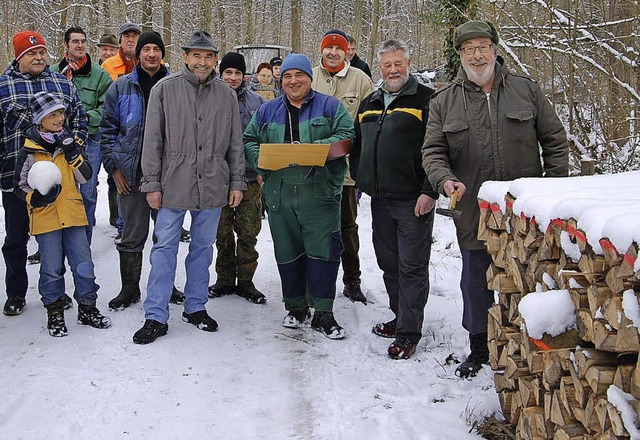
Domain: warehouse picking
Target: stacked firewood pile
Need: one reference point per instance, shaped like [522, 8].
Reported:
[559, 386]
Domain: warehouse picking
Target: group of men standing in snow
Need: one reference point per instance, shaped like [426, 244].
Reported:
[174, 143]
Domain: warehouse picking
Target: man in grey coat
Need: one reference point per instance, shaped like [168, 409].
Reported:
[489, 124]
[192, 160]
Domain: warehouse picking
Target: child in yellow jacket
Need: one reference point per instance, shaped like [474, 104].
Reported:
[57, 217]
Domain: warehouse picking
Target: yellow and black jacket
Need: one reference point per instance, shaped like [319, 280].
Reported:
[385, 159]
[68, 209]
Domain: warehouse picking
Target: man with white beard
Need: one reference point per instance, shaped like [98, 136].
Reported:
[489, 124]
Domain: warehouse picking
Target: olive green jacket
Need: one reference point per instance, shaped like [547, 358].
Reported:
[473, 138]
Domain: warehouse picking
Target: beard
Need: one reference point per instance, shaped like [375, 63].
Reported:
[482, 78]
[394, 85]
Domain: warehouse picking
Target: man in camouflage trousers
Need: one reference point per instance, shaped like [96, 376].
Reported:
[238, 259]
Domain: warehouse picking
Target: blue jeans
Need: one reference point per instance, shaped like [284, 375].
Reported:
[54, 246]
[120, 221]
[204, 227]
[14, 250]
[89, 190]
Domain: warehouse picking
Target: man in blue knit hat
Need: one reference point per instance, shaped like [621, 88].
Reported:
[303, 201]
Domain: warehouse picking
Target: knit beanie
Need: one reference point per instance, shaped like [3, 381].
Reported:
[475, 29]
[233, 60]
[275, 61]
[335, 37]
[25, 41]
[42, 104]
[296, 61]
[149, 37]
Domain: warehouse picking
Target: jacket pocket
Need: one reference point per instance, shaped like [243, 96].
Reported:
[457, 133]
[320, 128]
[520, 136]
[18, 116]
[351, 100]
[520, 115]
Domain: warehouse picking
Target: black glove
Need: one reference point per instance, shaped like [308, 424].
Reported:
[38, 200]
[68, 146]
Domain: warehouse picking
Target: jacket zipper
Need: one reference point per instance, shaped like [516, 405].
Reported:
[375, 154]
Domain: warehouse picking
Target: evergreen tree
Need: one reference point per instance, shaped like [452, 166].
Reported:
[447, 16]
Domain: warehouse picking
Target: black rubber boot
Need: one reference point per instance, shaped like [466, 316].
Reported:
[113, 207]
[479, 355]
[130, 270]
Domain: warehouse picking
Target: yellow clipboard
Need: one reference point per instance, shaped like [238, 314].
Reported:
[278, 156]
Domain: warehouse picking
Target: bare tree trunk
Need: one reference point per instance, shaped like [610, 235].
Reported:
[619, 131]
[222, 30]
[356, 29]
[147, 16]
[207, 15]
[248, 11]
[166, 28]
[374, 38]
[296, 25]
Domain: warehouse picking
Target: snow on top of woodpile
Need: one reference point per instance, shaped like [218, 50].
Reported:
[604, 206]
[621, 401]
[551, 312]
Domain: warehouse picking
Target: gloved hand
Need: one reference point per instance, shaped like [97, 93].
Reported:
[38, 200]
[66, 142]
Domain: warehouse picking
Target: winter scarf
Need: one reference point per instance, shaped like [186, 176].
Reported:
[73, 65]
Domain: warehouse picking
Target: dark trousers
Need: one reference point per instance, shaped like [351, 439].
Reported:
[136, 213]
[475, 296]
[14, 250]
[350, 240]
[402, 243]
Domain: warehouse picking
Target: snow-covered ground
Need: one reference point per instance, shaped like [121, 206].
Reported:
[253, 378]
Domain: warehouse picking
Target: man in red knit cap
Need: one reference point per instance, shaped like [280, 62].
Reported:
[27, 75]
[336, 77]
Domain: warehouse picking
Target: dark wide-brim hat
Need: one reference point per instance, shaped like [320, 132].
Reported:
[475, 29]
[108, 40]
[201, 40]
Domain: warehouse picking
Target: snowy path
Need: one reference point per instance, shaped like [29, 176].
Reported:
[253, 379]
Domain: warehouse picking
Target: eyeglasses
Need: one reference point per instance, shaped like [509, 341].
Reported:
[470, 50]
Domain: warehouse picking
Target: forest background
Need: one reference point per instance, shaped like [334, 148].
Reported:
[584, 53]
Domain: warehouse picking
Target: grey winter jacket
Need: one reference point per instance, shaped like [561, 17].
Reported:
[470, 141]
[192, 150]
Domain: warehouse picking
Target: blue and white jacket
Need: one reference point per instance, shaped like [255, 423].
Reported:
[122, 127]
